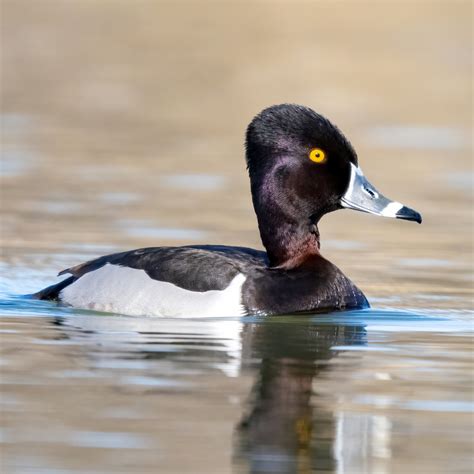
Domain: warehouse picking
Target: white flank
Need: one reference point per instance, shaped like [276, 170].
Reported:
[125, 290]
[390, 210]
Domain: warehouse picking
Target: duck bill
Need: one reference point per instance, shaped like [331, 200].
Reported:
[362, 196]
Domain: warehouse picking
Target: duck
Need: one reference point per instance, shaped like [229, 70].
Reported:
[301, 167]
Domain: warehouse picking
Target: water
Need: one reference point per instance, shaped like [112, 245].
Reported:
[123, 130]
[349, 392]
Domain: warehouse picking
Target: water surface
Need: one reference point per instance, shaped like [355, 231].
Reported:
[362, 391]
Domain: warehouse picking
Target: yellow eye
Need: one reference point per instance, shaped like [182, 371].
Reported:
[317, 155]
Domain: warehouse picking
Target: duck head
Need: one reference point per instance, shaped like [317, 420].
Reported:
[301, 167]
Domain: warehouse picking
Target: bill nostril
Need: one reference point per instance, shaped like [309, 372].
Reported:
[370, 192]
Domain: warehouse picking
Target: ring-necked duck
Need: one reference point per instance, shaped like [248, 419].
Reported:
[301, 167]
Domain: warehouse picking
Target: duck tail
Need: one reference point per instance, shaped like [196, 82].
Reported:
[52, 292]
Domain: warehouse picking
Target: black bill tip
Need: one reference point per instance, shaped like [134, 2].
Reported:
[408, 214]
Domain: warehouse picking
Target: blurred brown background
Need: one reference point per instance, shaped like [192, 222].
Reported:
[123, 124]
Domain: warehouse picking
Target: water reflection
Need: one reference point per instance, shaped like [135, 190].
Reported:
[285, 428]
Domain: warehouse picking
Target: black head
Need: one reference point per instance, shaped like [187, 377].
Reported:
[279, 144]
[301, 167]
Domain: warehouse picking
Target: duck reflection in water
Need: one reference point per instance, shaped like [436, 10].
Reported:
[285, 429]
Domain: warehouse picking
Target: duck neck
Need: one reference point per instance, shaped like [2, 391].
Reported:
[289, 244]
